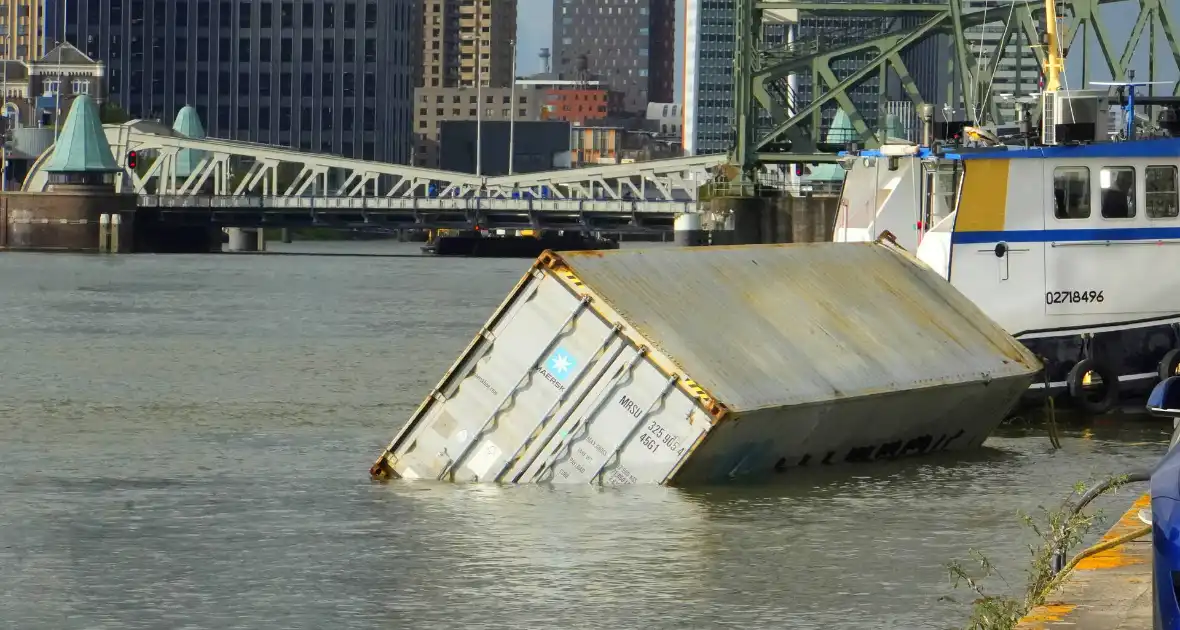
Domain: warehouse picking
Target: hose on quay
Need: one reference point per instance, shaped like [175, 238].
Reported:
[1086, 553]
[1058, 564]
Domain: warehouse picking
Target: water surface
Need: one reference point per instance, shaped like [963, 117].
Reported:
[186, 440]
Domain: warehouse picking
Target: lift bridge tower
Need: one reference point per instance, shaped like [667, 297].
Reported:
[775, 124]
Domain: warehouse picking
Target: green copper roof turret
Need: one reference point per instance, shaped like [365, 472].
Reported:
[82, 145]
[841, 132]
[188, 124]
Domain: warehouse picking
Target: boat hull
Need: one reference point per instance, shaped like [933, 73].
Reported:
[1133, 353]
[512, 246]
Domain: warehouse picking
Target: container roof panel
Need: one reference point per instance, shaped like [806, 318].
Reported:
[773, 325]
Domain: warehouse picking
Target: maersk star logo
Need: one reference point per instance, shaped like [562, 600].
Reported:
[560, 364]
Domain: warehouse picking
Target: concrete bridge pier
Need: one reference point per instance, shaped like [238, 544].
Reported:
[688, 232]
[247, 240]
[285, 234]
[743, 220]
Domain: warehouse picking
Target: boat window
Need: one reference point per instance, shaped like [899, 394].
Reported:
[1071, 192]
[1163, 202]
[1118, 192]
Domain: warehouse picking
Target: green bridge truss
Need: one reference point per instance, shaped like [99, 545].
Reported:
[762, 92]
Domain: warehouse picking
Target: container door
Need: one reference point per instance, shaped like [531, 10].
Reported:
[512, 381]
[634, 426]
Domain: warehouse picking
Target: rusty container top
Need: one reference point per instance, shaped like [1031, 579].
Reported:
[761, 326]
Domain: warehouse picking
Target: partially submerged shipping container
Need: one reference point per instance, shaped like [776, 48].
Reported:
[698, 365]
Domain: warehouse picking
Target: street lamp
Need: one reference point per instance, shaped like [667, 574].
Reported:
[478, 90]
[512, 111]
[57, 115]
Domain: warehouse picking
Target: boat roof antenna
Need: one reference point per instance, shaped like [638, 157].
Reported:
[1024, 105]
[1127, 89]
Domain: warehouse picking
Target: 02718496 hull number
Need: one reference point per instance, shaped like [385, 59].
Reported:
[1074, 297]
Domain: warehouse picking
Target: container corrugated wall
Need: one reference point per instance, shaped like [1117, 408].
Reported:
[776, 325]
[702, 364]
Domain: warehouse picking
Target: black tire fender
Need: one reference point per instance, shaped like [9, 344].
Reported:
[1077, 392]
[1168, 364]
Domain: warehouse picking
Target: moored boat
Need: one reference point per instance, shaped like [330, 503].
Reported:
[1068, 238]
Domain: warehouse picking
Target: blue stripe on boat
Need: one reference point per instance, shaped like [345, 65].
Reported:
[1059, 236]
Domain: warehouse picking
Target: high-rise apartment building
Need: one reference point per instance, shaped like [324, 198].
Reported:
[22, 29]
[629, 44]
[708, 68]
[331, 76]
[455, 32]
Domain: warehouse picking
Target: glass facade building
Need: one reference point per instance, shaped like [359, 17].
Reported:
[328, 76]
[708, 71]
[628, 44]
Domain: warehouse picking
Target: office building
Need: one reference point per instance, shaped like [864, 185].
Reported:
[708, 88]
[330, 76]
[22, 24]
[629, 44]
[450, 44]
[708, 68]
[434, 106]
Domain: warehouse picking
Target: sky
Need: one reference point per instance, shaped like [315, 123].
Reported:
[535, 26]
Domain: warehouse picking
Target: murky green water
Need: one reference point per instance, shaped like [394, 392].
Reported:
[185, 440]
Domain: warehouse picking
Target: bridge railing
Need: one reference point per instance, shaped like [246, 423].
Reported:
[419, 204]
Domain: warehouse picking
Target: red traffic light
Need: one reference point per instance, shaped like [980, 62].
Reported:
[131, 159]
[798, 170]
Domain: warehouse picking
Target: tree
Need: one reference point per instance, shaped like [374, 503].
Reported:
[110, 113]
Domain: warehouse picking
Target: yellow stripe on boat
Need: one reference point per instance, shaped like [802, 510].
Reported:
[984, 202]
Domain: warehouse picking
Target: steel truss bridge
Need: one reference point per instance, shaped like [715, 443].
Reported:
[236, 175]
[239, 175]
[762, 89]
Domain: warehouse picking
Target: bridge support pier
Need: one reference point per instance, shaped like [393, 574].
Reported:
[688, 232]
[743, 220]
[247, 240]
[285, 235]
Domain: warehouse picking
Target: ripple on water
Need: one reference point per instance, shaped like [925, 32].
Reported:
[186, 441]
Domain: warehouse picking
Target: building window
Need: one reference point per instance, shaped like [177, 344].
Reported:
[1071, 192]
[51, 87]
[243, 84]
[244, 50]
[264, 50]
[1163, 198]
[1118, 192]
[264, 84]
[244, 15]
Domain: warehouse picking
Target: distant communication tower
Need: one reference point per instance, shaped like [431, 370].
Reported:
[545, 57]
